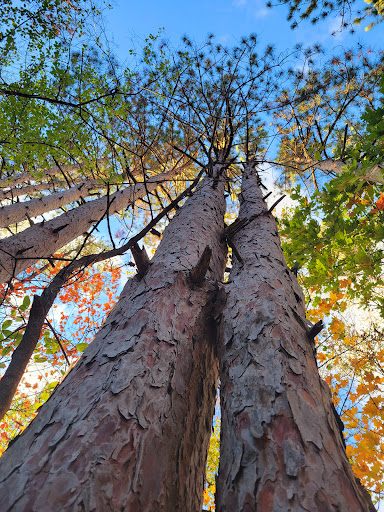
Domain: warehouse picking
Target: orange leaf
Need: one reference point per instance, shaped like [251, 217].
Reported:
[380, 202]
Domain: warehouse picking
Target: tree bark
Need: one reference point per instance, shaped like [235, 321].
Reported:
[129, 427]
[40, 241]
[42, 303]
[17, 212]
[374, 175]
[26, 176]
[13, 193]
[281, 448]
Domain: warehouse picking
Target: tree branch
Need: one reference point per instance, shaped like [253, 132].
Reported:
[55, 101]
[42, 304]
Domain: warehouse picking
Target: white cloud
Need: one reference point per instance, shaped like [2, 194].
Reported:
[254, 8]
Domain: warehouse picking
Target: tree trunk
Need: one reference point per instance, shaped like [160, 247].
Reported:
[129, 427]
[13, 193]
[18, 212]
[26, 176]
[374, 175]
[281, 447]
[42, 240]
[42, 303]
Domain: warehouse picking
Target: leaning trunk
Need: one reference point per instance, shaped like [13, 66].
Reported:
[281, 447]
[42, 240]
[373, 175]
[129, 427]
[25, 177]
[20, 211]
[14, 193]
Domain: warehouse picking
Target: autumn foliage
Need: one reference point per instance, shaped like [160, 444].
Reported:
[76, 316]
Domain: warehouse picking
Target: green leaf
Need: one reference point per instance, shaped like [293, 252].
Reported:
[39, 359]
[6, 350]
[81, 346]
[6, 324]
[26, 303]
[52, 385]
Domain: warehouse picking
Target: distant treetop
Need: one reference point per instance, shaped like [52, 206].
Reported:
[350, 14]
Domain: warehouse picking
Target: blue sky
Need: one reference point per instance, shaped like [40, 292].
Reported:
[128, 23]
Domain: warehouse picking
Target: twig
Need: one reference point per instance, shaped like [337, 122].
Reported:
[276, 203]
[57, 339]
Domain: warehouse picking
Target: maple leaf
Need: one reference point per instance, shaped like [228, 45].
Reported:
[380, 202]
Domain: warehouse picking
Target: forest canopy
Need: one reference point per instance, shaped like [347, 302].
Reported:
[101, 162]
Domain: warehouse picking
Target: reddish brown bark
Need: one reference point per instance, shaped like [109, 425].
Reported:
[281, 448]
[129, 427]
[42, 304]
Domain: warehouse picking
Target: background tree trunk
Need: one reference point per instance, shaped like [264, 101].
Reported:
[129, 427]
[281, 448]
[26, 176]
[374, 175]
[17, 212]
[13, 193]
[42, 240]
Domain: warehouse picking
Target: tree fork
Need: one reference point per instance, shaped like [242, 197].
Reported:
[129, 427]
[41, 305]
[281, 447]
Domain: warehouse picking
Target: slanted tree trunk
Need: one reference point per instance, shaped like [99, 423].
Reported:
[13, 193]
[129, 427]
[374, 175]
[26, 176]
[18, 212]
[281, 448]
[40, 241]
[41, 304]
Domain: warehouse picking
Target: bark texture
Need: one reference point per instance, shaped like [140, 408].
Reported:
[129, 427]
[40, 241]
[281, 448]
[42, 303]
[375, 174]
[26, 176]
[17, 212]
[13, 192]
